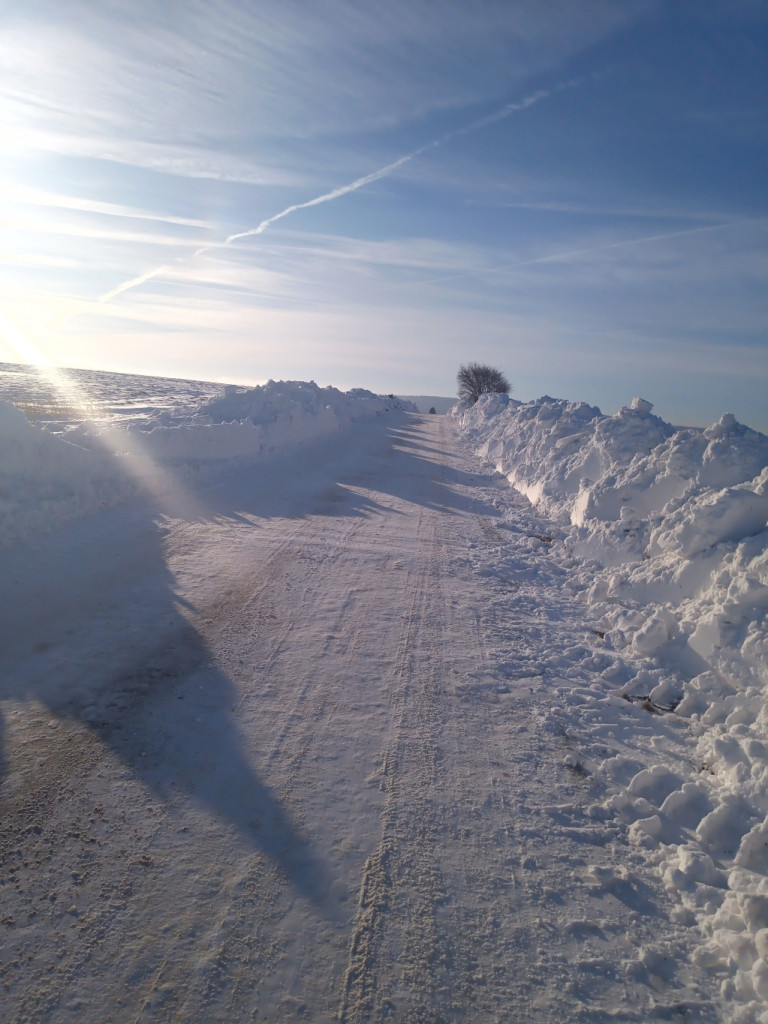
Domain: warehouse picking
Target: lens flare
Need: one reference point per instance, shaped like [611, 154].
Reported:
[172, 497]
[30, 353]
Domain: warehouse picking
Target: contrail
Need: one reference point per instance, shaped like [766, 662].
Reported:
[136, 281]
[353, 186]
[343, 190]
[367, 179]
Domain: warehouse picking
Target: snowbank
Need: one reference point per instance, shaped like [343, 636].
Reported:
[664, 534]
[246, 422]
[671, 519]
[46, 479]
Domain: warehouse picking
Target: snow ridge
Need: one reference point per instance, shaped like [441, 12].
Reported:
[48, 478]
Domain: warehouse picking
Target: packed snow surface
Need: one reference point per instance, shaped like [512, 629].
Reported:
[310, 715]
[664, 534]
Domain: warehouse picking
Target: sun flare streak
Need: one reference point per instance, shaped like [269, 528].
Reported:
[59, 384]
[170, 493]
[17, 339]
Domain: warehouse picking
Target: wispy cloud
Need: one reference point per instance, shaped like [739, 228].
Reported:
[576, 254]
[22, 194]
[77, 229]
[28, 259]
[597, 210]
[203, 161]
[412, 253]
[134, 71]
[383, 172]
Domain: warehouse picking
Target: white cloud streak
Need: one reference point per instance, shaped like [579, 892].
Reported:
[201, 161]
[15, 193]
[561, 257]
[136, 281]
[343, 190]
[328, 197]
[383, 172]
[626, 211]
[126, 73]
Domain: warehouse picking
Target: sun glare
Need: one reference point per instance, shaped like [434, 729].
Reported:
[29, 353]
[171, 494]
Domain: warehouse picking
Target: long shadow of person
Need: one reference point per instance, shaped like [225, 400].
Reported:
[91, 628]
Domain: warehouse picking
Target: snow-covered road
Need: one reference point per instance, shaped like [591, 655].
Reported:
[277, 754]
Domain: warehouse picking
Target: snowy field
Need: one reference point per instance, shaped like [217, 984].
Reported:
[316, 708]
[71, 396]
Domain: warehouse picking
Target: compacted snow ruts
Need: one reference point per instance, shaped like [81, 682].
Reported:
[292, 756]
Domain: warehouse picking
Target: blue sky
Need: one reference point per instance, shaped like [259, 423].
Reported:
[574, 192]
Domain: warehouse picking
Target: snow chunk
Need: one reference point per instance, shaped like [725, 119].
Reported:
[654, 784]
[729, 515]
[641, 405]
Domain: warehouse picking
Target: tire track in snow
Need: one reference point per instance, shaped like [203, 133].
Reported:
[398, 958]
[413, 951]
[270, 606]
[286, 604]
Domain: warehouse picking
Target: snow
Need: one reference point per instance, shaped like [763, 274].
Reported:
[664, 534]
[425, 403]
[245, 423]
[46, 479]
[319, 709]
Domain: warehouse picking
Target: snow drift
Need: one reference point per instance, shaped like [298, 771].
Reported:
[45, 479]
[674, 519]
[664, 535]
[246, 422]
[48, 478]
